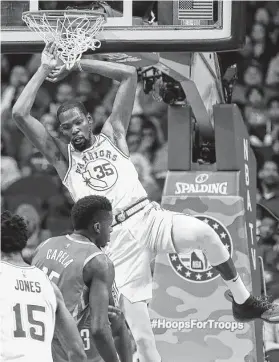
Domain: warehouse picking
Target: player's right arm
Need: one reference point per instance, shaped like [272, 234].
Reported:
[97, 275]
[30, 126]
[67, 332]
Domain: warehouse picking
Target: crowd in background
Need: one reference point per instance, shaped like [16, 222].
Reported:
[257, 94]
[30, 186]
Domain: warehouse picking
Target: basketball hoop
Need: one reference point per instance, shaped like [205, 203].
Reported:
[74, 31]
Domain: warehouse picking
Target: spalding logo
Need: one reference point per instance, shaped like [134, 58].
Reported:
[217, 188]
[194, 265]
[201, 187]
[201, 178]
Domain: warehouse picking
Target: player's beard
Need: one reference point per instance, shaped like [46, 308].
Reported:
[81, 146]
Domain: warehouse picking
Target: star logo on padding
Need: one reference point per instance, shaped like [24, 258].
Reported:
[194, 266]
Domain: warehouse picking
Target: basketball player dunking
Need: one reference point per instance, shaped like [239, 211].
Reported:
[101, 165]
[31, 307]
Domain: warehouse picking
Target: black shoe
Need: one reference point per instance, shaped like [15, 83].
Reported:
[256, 308]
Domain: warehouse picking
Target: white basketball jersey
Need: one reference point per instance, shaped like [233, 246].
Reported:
[103, 169]
[28, 306]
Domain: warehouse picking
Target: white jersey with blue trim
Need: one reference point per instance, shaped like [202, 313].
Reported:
[104, 170]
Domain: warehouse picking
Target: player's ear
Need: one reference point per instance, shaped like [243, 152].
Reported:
[97, 227]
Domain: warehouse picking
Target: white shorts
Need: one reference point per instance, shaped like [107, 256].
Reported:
[134, 243]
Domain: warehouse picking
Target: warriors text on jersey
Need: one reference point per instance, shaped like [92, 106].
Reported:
[104, 170]
[28, 307]
[63, 259]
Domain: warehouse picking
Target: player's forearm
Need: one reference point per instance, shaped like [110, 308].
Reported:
[77, 354]
[72, 343]
[123, 344]
[26, 99]
[66, 330]
[105, 344]
[114, 71]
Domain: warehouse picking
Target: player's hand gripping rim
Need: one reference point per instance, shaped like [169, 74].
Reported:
[49, 58]
[60, 72]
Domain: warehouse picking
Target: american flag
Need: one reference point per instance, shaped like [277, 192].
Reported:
[195, 10]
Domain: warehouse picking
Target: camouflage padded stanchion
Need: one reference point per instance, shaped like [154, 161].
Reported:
[191, 314]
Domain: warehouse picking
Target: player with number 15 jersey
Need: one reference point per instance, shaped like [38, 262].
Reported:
[31, 307]
[28, 306]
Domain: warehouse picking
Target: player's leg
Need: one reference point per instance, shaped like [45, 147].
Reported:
[137, 317]
[176, 232]
[131, 260]
[191, 233]
[180, 233]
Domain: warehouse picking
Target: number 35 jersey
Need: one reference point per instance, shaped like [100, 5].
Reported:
[28, 307]
[104, 170]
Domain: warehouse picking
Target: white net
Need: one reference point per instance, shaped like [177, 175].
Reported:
[74, 34]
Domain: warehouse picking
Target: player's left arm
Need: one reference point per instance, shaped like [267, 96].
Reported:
[98, 276]
[126, 75]
[116, 126]
[67, 331]
[120, 333]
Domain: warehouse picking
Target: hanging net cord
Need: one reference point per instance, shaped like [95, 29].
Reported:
[73, 35]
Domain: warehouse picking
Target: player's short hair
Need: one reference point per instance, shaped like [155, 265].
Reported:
[14, 233]
[87, 209]
[70, 105]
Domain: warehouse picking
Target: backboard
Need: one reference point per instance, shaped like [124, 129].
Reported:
[139, 26]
